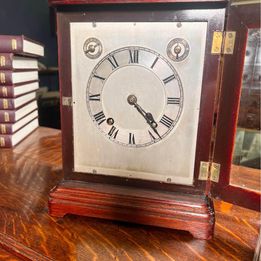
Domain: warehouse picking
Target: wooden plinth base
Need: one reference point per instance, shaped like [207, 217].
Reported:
[193, 213]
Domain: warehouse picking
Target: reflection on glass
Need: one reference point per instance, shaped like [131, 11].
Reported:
[246, 158]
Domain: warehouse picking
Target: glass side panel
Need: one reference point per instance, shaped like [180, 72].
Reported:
[245, 171]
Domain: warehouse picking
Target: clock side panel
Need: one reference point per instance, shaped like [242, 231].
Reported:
[65, 74]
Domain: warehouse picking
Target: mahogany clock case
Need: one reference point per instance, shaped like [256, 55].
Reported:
[102, 2]
[241, 18]
[142, 13]
[147, 202]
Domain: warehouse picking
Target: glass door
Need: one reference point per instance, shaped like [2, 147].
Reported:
[245, 169]
[237, 141]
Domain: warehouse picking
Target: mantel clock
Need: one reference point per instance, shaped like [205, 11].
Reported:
[140, 89]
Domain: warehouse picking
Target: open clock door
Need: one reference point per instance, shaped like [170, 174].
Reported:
[237, 146]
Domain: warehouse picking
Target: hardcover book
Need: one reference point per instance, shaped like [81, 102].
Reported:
[8, 141]
[9, 61]
[14, 103]
[20, 44]
[10, 128]
[12, 91]
[9, 77]
[10, 116]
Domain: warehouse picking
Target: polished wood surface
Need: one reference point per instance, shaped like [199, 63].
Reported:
[7, 256]
[245, 177]
[167, 213]
[31, 169]
[189, 212]
[239, 19]
[215, 19]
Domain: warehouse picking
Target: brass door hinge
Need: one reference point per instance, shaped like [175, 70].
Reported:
[230, 38]
[67, 101]
[209, 171]
[223, 42]
[217, 42]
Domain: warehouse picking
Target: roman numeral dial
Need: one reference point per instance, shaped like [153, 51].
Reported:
[131, 139]
[172, 100]
[134, 56]
[95, 97]
[169, 79]
[113, 62]
[166, 121]
[99, 117]
[99, 77]
[113, 132]
[134, 97]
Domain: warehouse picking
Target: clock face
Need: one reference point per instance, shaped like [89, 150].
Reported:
[136, 89]
[130, 99]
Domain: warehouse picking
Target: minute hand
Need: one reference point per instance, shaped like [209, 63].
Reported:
[148, 117]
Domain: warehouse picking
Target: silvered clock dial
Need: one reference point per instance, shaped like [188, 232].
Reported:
[131, 100]
[135, 107]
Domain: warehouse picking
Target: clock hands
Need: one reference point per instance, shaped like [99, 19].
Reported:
[91, 48]
[132, 100]
[177, 50]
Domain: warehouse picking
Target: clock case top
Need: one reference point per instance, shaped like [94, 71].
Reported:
[140, 13]
[85, 2]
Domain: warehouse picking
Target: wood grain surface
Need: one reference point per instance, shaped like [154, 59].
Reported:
[7, 256]
[245, 177]
[193, 213]
[30, 170]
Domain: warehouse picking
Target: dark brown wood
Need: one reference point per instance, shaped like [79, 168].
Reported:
[215, 19]
[30, 170]
[7, 256]
[185, 212]
[84, 2]
[240, 18]
[20, 250]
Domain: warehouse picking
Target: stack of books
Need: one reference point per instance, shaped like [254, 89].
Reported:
[19, 82]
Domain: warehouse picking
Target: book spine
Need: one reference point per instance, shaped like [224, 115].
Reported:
[5, 141]
[7, 92]
[7, 104]
[11, 44]
[7, 116]
[6, 61]
[6, 77]
[6, 128]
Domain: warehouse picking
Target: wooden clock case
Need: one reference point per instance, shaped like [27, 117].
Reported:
[174, 206]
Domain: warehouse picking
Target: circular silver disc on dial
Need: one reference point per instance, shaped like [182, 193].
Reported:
[92, 48]
[178, 49]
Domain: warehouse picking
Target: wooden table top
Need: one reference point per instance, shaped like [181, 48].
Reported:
[30, 170]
